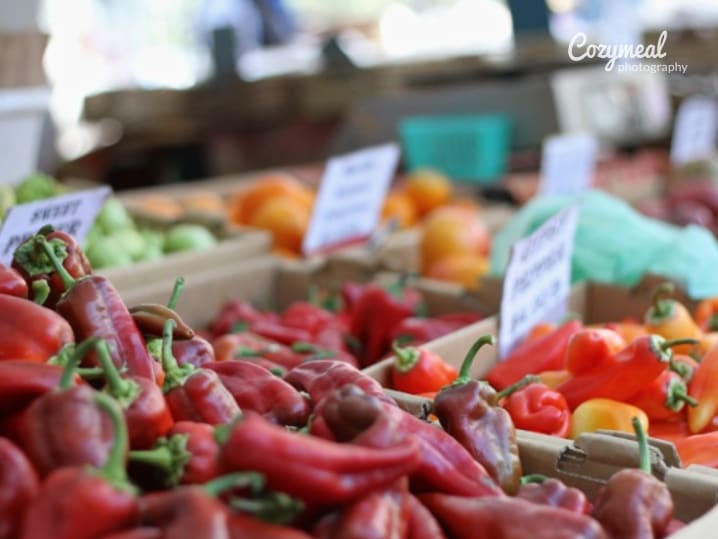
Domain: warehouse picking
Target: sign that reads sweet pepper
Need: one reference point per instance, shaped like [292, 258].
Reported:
[73, 213]
[350, 197]
[538, 279]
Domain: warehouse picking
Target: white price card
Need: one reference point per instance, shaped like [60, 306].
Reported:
[568, 163]
[73, 213]
[538, 279]
[695, 130]
[350, 197]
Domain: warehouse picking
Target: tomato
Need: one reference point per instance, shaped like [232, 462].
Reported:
[453, 231]
[464, 269]
[287, 219]
[245, 204]
[399, 206]
[427, 189]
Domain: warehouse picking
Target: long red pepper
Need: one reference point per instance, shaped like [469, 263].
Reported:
[664, 398]
[30, 331]
[21, 382]
[18, 487]
[83, 502]
[638, 364]
[148, 417]
[545, 353]
[194, 394]
[93, 307]
[317, 471]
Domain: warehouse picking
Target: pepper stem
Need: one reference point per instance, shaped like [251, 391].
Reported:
[169, 454]
[175, 375]
[67, 279]
[665, 345]
[274, 507]
[123, 390]
[176, 292]
[713, 322]
[253, 480]
[40, 291]
[114, 468]
[662, 305]
[677, 396]
[406, 358]
[465, 370]
[644, 455]
[73, 360]
[533, 478]
[513, 388]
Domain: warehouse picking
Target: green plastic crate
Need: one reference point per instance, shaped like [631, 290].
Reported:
[471, 148]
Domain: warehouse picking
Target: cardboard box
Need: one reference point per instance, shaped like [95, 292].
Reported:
[590, 460]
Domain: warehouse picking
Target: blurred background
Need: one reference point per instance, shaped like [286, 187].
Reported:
[142, 92]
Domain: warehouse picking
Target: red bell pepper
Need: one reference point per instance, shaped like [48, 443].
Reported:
[663, 398]
[545, 353]
[375, 315]
[12, 284]
[146, 412]
[93, 308]
[321, 377]
[66, 427]
[592, 348]
[638, 364]
[79, 502]
[30, 331]
[539, 409]
[46, 285]
[18, 488]
[254, 388]
[319, 472]
[418, 370]
[194, 394]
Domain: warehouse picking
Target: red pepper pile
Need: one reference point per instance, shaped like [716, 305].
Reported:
[119, 423]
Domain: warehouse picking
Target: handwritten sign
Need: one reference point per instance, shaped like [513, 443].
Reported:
[538, 279]
[695, 130]
[350, 197]
[568, 164]
[73, 213]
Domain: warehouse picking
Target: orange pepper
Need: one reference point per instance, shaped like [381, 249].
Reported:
[605, 414]
[670, 319]
[592, 349]
[553, 379]
[706, 314]
[698, 449]
[703, 388]
[629, 330]
[539, 330]
[708, 341]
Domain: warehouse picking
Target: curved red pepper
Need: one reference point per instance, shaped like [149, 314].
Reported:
[639, 363]
[321, 377]
[79, 502]
[319, 472]
[194, 394]
[539, 409]
[45, 283]
[18, 488]
[30, 331]
[254, 388]
[12, 284]
[545, 353]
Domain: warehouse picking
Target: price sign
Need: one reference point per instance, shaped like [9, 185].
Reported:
[568, 164]
[538, 279]
[73, 213]
[350, 197]
[695, 130]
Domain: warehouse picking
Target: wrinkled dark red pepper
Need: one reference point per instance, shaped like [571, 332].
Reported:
[554, 493]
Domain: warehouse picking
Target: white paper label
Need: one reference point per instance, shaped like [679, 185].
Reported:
[538, 279]
[350, 197]
[695, 130]
[73, 213]
[568, 164]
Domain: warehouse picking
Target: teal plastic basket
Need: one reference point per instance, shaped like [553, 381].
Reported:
[470, 148]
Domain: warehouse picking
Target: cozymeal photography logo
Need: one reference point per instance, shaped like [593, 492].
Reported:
[625, 57]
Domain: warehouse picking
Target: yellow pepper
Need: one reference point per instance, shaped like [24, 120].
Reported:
[671, 320]
[605, 414]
